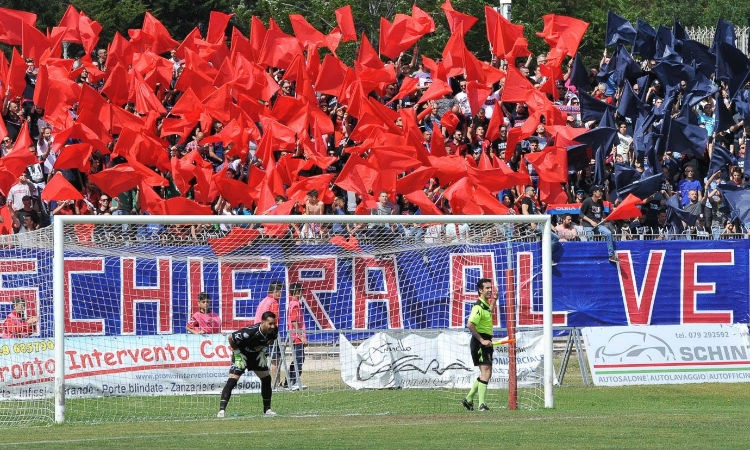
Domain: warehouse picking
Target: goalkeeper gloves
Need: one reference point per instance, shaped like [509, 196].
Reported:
[238, 359]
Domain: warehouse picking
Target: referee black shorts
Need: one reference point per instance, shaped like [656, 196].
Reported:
[481, 356]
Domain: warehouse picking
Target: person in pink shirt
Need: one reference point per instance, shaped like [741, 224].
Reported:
[16, 324]
[271, 303]
[204, 321]
[296, 326]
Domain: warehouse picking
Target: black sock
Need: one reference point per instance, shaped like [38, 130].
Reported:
[265, 392]
[226, 393]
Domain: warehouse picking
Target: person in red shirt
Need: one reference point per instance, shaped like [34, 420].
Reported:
[296, 327]
[16, 324]
[204, 321]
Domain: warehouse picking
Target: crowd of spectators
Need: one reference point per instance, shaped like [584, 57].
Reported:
[686, 175]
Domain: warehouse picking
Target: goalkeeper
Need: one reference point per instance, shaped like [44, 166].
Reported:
[480, 325]
[250, 352]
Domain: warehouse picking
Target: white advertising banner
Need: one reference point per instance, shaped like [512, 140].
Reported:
[119, 366]
[427, 361]
[668, 354]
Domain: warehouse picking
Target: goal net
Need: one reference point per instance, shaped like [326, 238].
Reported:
[121, 334]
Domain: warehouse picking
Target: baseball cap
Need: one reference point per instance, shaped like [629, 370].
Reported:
[595, 188]
[580, 191]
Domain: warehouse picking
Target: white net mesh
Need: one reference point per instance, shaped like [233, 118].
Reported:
[384, 308]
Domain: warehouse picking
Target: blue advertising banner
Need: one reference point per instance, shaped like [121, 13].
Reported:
[137, 293]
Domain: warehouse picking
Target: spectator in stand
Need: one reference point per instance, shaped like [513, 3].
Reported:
[26, 223]
[593, 215]
[458, 145]
[313, 207]
[624, 144]
[296, 327]
[737, 177]
[17, 324]
[689, 183]
[204, 321]
[566, 231]
[23, 188]
[338, 208]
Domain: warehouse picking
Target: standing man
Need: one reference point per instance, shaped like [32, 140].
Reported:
[296, 327]
[250, 346]
[592, 212]
[480, 325]
[271, 303]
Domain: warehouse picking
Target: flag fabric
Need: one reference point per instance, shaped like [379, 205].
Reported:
[645, 40]
[627, 209]
[58, 188]
[619, 30]
[739, 204]
[721, 157]
[563, 33]
[643, 187]
[345, 21]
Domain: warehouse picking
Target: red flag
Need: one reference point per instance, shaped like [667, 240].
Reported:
[20, 156]
[628, 209]
[279, 49]
[477, 94]
[345, 21]
[217, 25]
[16, 78]
[124, 177]
[75, 156]
[351, 244]
[563, 32]
[306, 34]
[551, 164]
[234, 191]
[11, 29]
[88, 30]
[426, 206]
[449, 121]
[437, 90]
[505, 38]
[181, 206]
[551, 193]
[157, 38]
[59, 189]
[34, 42]
[459, 23]
[6, 225]
[236, 238]
[496, 121]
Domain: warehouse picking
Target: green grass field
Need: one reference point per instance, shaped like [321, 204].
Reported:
[704, 416]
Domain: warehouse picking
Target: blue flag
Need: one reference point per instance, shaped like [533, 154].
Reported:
[720, 157]
[619, 30]
[643, 187]
[601, 141]
[739, 203]
[732, 66]
[686, 138]
[724, 32]
[645, 40]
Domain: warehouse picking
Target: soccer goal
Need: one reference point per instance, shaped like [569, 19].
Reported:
[384, 302]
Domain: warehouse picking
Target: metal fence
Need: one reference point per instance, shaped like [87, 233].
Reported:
[705, 35]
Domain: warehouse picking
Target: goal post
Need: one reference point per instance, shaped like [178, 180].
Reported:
[409, 254]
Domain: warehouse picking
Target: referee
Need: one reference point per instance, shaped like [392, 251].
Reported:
[480, 325]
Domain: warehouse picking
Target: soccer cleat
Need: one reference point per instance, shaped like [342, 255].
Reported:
[483, 407]
[269, 413]
[294, 388]
[220, 414]
[467, 404]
